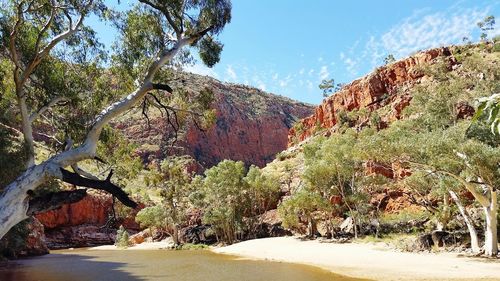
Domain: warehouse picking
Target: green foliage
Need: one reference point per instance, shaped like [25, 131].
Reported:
[152, 217]
[328, 86]
[173, 180]
[343, 119]
[228, 193]
[140, 44]
[389, 59]
[210, 51]
[304, 206]
[263, 190]
[192, 247]
[225, 199]
[488, 108]
[403, 217]
[486, 25]
[122, 236]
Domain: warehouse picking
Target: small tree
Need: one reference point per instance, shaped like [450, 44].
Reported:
[328, 86]
[303, 206]
[263, 192]
[153, 217]
[486, 25]
[121, 240]
[174, 183]
[389, 59]
[224, 199]
[332, 168]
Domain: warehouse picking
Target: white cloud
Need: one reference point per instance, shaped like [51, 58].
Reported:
[231, 73]
[301, 71]
[311, 72]
[320, 59]
[323, 73]
[201, 69]
[275, 76]
[420, 32]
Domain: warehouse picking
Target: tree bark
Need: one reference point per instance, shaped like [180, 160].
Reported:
[474, 241]
[26, 128]
[491, 239]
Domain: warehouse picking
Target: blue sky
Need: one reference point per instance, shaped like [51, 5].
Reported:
[287, 47]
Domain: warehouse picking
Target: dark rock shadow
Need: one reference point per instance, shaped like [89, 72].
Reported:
[67, 267]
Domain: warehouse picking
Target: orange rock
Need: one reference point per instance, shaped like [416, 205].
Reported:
[370, 92]
[91, 210]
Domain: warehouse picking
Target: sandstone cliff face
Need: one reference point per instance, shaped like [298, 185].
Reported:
[370, 92]
[251, 125]
[90, 210]
[80, 224]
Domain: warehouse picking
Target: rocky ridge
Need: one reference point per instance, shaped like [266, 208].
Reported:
[384, 86]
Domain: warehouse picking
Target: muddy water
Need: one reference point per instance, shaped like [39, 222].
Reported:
[85, 265]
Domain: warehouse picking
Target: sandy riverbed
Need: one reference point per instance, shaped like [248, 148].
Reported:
[361, 260]
[367, 260]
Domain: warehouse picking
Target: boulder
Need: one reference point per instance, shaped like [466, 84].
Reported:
[347, 225]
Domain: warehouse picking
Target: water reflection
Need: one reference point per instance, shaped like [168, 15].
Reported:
[84, 265]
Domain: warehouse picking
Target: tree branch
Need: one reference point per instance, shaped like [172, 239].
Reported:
[44, 108]
[54, 200]
[193, 39]
[483, 200]
[106, 185]
[45, 26]
[167, 15]
[163, 87]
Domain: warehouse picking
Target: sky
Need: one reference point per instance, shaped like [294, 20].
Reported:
[287, 47]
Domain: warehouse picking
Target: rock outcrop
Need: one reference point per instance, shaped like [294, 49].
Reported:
[251, 125]
[371, 92]
[91, 210]
[80, 224]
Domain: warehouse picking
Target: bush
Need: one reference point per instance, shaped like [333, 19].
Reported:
[121, 240]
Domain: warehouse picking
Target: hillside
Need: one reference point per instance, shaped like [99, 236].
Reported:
[434, 89]
[251, 125]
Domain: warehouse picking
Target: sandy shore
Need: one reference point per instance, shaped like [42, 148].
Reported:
[367, 260]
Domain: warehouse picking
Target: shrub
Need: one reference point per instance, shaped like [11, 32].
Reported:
[121, 240]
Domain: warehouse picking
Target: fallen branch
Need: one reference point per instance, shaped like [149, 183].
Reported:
[106, 185]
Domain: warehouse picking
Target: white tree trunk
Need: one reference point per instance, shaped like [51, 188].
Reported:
[474, 241]
[491, 239]
[27, 129]
[14, 200]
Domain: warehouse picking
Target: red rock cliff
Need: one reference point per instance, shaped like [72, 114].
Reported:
[251, 125]
[368, 91]
[90, 210]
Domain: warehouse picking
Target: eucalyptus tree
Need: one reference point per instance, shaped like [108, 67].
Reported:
[154, 33]
[173, 180]
[452, 155]
[224, 199]
[332, 168]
